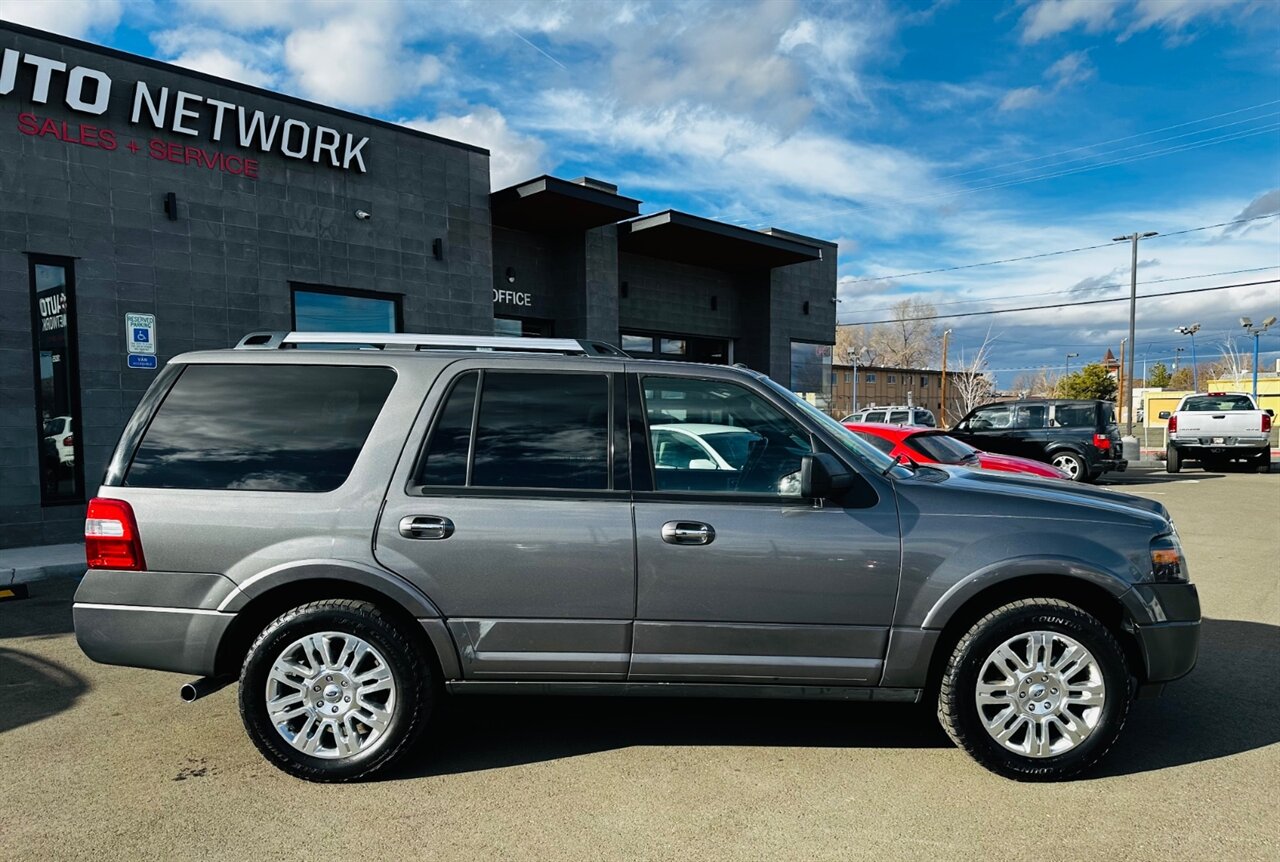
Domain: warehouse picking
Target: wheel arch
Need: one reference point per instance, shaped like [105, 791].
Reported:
[1093, 595]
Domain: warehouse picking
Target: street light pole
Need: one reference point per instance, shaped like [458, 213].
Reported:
[1256, 331]
[942, 409]
[1070, 356]
[1195, 372]
[1133, 313]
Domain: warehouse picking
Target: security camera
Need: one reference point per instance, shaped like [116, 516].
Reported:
[363, 215]
[1246, 321]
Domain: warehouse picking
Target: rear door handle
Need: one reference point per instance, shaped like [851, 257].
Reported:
[687, 533]
[425, 527]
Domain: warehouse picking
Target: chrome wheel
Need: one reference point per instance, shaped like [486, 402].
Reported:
[331, 695]
[1040, 694]
[1069, 464]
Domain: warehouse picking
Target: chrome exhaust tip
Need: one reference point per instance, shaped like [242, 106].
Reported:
[198, 688]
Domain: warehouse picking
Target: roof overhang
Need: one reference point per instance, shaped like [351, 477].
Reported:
[547, 204]
[678, 236]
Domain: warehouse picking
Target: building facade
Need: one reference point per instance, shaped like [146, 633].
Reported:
[880, 386]
[147, 210]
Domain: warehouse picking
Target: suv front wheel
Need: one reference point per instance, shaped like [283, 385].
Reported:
[1036, 690]
[335, 690]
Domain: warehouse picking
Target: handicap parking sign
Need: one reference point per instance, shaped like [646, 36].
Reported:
[141, 334]
[140, 339]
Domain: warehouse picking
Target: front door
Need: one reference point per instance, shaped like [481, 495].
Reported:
[738, 578]
[515, 519]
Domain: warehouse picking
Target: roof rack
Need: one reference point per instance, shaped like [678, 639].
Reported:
[414, 341]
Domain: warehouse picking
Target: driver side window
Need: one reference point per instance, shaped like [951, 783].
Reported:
[712, 436]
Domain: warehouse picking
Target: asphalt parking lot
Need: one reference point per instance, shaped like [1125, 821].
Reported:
[106, 763]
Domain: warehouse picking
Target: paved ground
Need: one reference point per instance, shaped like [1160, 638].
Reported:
[105, 763]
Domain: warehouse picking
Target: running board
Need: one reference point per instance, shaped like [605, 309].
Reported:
[686, 689]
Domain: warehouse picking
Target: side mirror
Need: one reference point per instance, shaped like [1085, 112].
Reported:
[1164, 414]
[822, 476]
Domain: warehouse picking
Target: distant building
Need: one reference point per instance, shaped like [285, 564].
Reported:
[880, 385]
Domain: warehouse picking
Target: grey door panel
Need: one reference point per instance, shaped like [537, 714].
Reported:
[757, 652]
[542, 649]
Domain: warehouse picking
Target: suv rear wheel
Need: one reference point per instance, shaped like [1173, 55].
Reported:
[335, 690]
[1036, 690]
[1071, 464]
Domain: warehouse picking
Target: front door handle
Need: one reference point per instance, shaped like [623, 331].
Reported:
[687, 533]
[425, 527]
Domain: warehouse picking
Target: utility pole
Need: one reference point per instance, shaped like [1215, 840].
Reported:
[942, 411]
[1120, 389]
[1133, 310]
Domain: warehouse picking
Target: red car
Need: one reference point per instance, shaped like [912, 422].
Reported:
[930, 446]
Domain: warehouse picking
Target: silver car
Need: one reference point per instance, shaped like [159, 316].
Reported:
[354, 534]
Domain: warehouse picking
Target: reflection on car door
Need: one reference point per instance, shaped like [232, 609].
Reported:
[989, 429]
[738, 579]
[517, 524]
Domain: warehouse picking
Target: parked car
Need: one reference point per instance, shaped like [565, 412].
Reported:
[1080, 438]
[355, 534]
[1217, 428]
[58, 431]
[902, 415]
[930, 446]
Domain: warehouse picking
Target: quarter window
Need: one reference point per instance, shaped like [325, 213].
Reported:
[532, 430]
[712, 436]
[261, 427]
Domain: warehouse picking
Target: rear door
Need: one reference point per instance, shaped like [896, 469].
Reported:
[513, 514]
[738, 578]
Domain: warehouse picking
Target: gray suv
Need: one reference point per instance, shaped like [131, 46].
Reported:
[358, 530]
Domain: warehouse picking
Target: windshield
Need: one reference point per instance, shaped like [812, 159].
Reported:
[1217, 403]
[942, 448]
[849, 441]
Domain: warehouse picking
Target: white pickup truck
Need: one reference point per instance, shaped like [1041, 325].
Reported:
[1216, 428]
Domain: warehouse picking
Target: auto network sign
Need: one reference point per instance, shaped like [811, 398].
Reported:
[88, 91]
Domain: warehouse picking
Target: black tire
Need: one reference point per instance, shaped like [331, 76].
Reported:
[1263, 462]
[957, 703]
[1071, 464]
[1172, 460]
[405, 656]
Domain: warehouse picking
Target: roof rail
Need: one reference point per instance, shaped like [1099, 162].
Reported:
[414, 341]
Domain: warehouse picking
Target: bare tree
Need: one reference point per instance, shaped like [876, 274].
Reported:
[1038, 384]
[972, 384]
[851, 340]
[1234, 364]
[910, 341]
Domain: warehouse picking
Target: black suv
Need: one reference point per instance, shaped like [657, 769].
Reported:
[1080, 438]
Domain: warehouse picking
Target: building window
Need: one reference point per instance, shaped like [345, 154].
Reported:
[811, 372]
[57, 380]
[637, 343]
[673, 346]
[871, 377]
[848, 377]
[924, 382]
[893, 378]
[330, 309]
[523, 327]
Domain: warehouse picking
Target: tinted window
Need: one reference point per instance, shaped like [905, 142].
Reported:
[875, 417]
[260, 427]
[941, 448]
[998, 416]
[445, 462]
[754, 447]
[885, 446]
[1218, 403]
[899, 417]
[1033, 416]
[344, 311]
[1075, 415]
[542, 431]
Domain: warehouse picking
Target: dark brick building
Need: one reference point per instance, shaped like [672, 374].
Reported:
[147, 210]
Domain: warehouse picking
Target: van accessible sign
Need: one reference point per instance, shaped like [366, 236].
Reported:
[88, 91]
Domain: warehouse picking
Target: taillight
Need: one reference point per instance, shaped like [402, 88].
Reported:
[1102, 441]
[111, 539]
[1173, 423]
[69, 440]
[1266, 423]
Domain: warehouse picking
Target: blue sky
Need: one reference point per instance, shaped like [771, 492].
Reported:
[920, 136]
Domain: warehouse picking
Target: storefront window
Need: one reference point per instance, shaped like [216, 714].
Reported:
[326, 309]
[57, 381]
[522, 327]
[811, 372]
[637, 343]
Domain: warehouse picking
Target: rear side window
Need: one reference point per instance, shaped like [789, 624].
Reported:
[260, 427]
[1075, 415]
[532, 430]
[885, 446]
[1032, 416]
[875, 417]
[941, 448]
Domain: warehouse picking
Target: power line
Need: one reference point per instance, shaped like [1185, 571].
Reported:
[1119, 140]
[1048, 253]
[1072, 289]
[1065, 304]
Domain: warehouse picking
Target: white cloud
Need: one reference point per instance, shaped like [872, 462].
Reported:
[1021, 97]
[1074, 68]
[1176, 16]
[513, 156]
[76, 18]
[1050, 17]
[357, 61]
[223, 54]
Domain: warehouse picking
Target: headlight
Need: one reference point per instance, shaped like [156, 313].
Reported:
[1167, 563]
